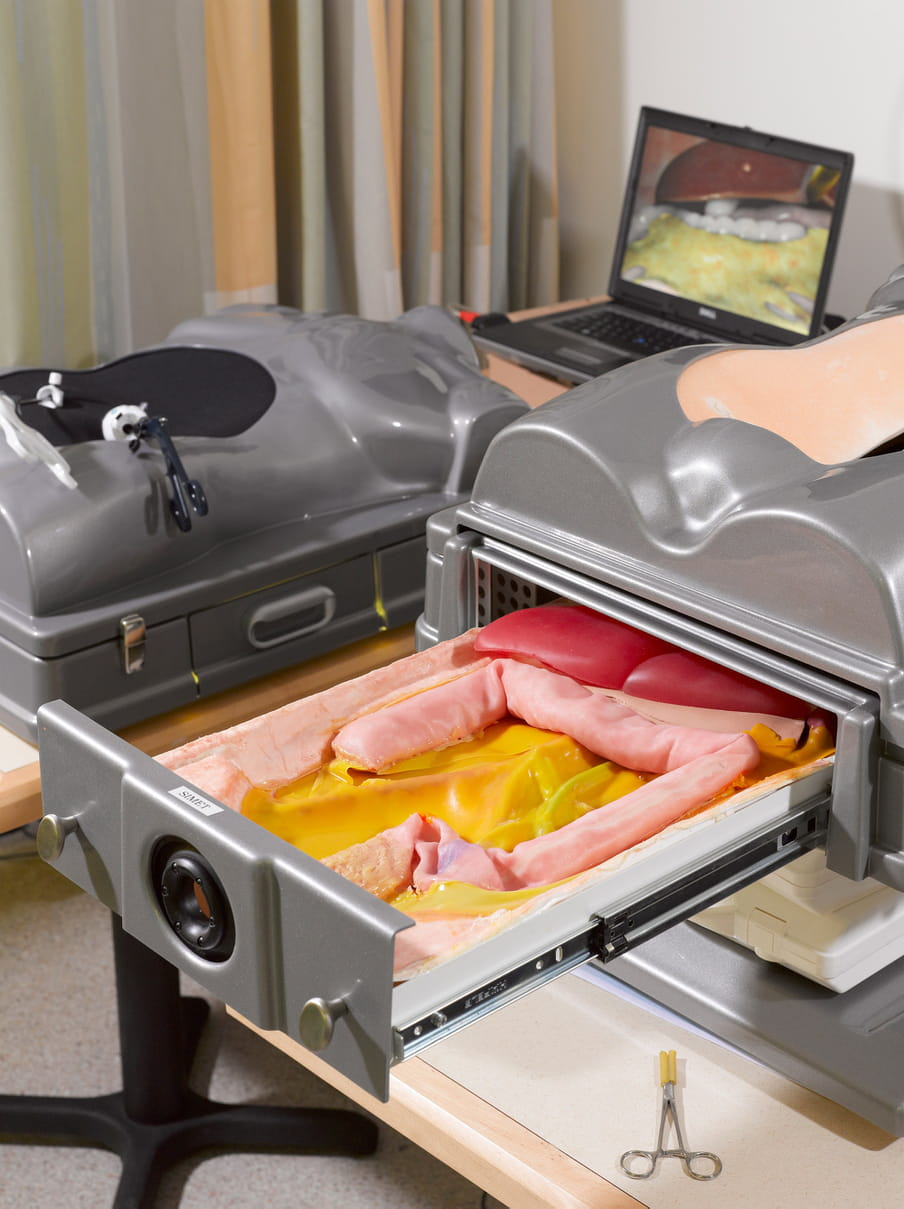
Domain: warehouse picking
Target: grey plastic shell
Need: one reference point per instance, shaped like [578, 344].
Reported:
[366, 416]
[723, 537]
[374, 426]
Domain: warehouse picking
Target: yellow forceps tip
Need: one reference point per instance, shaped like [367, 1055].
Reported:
[640, 1164]
[668, 1065]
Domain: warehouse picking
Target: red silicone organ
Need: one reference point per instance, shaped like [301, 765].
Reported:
[681, 678]
[590, 648]
[600, 651]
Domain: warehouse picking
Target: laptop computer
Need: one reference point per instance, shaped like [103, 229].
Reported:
[726, 235]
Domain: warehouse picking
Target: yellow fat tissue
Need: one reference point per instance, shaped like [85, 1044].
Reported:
[509, 784]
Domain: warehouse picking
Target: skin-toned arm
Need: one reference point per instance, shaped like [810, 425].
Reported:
[836, 400]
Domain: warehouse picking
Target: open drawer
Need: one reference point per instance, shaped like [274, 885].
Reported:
[293, 946]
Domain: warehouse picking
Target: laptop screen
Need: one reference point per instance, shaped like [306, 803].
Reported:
[728, 229]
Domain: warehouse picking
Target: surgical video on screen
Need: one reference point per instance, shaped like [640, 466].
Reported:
[730, 227]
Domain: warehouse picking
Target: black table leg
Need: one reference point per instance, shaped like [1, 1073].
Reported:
[157, 1119]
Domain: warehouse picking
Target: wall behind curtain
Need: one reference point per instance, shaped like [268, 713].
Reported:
[162, 160]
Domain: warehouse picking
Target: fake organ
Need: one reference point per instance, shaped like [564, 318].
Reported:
[564, 738]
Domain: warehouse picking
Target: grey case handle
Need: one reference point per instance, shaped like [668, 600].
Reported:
[263, 628]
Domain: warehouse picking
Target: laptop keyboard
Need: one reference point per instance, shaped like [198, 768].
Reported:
[626, 332]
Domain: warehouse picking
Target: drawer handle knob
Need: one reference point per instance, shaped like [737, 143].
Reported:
[51, 835]
[318, 1021]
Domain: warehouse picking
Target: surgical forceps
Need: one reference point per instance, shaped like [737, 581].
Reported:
[646, 1160]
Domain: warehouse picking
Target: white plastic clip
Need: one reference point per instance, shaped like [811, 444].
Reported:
[28, 444]
[51, 395]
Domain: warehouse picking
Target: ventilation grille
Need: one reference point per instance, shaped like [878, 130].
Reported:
[499, 593]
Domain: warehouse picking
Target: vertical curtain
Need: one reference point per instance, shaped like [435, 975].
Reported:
[137, 187]
[415, 152]
[163, 160]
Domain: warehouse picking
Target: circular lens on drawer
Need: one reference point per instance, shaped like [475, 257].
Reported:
[193, 900]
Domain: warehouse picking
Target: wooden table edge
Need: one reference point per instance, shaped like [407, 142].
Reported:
[471, 1136]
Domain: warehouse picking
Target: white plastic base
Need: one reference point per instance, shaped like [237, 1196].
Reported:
[834, 931]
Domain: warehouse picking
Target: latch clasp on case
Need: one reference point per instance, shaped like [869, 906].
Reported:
[131, 640]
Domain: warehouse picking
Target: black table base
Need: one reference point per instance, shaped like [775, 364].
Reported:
[157, 1119]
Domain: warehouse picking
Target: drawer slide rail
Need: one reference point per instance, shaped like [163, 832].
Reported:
[626, 926]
